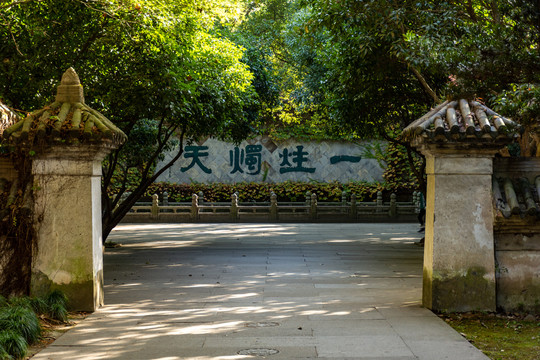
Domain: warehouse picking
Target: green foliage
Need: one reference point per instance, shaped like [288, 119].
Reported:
[160, 70]
[19, 324]
[398, 170]
[56, 305]
[281, 61]
[20, 320]
[521, 102]
[12, 345]
[364, 68]
[499, 336]
[260, 192]
[4, 355]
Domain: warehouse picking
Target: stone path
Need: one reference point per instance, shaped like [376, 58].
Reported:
[252, 291]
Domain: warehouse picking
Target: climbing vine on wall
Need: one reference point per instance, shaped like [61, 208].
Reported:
[17, 234]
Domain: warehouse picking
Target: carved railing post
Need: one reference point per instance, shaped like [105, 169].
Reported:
[415, 202]
[379, 201]
[313, 207]
[234, 207]
[201, 198]
[392, 212]
[194, 207]
[354, 210]
[273, 207]
[308, 198]
[344, 202]
[165, 198]
[155, 206]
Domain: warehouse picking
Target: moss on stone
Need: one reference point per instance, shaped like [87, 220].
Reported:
[459, 293]
[81, 295]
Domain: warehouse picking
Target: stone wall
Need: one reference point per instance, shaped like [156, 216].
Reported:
[517, 242]
[7, 172]
[262, 159]
[6, 169]
[7, 118]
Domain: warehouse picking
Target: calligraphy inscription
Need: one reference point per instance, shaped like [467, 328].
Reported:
[248, 160]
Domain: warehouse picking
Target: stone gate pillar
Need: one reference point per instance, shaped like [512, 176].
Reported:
[69, 140]
[68, 224]
[459, 140]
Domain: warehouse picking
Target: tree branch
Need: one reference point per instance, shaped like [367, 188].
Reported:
[177, 156]
[116, 216]
[113, 161]
[470, 10]
[161, 144]
[3, 7]
[84, 49]
[495, 12]
[425, 85]
[12, 36]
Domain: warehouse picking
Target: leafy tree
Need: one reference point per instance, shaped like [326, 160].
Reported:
[157, 69]
[271, 30]
[371, 67]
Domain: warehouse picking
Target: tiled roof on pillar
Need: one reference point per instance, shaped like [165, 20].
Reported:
[461, 121]
[67, 120]
[516, 196]
[7, 117]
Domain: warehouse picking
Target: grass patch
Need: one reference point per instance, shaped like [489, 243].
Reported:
[499, 336]
[21, 321]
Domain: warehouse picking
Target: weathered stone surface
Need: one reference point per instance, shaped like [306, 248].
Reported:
[7, 171]
[518, 280]
[68, 218]
[223, 162]
[517, 236]
[470, 212]
[459, 268]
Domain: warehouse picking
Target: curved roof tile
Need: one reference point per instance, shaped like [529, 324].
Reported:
[516, 196]
[458, 120]
[68, 119]
[7, 117]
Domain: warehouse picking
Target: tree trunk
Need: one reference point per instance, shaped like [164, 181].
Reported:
[112, 216]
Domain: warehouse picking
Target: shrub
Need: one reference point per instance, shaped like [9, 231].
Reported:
[286, 191]
[20, 325]
[4, 354]
[56, 305]
[21, 320]
[12, 344]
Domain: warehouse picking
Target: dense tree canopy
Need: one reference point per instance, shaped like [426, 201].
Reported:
[367, 68]
[157, 69]
[372, 66]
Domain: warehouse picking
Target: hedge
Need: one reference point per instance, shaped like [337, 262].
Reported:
[286, 191]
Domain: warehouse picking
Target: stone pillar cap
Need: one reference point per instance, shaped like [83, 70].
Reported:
[67, 120]
[466, 121]
[70, 89]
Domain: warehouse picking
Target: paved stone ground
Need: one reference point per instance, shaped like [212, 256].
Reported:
[275, 291]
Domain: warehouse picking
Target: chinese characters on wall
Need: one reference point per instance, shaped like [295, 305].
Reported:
[248, 160]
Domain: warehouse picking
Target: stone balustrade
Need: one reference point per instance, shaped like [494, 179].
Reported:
[347, 210]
